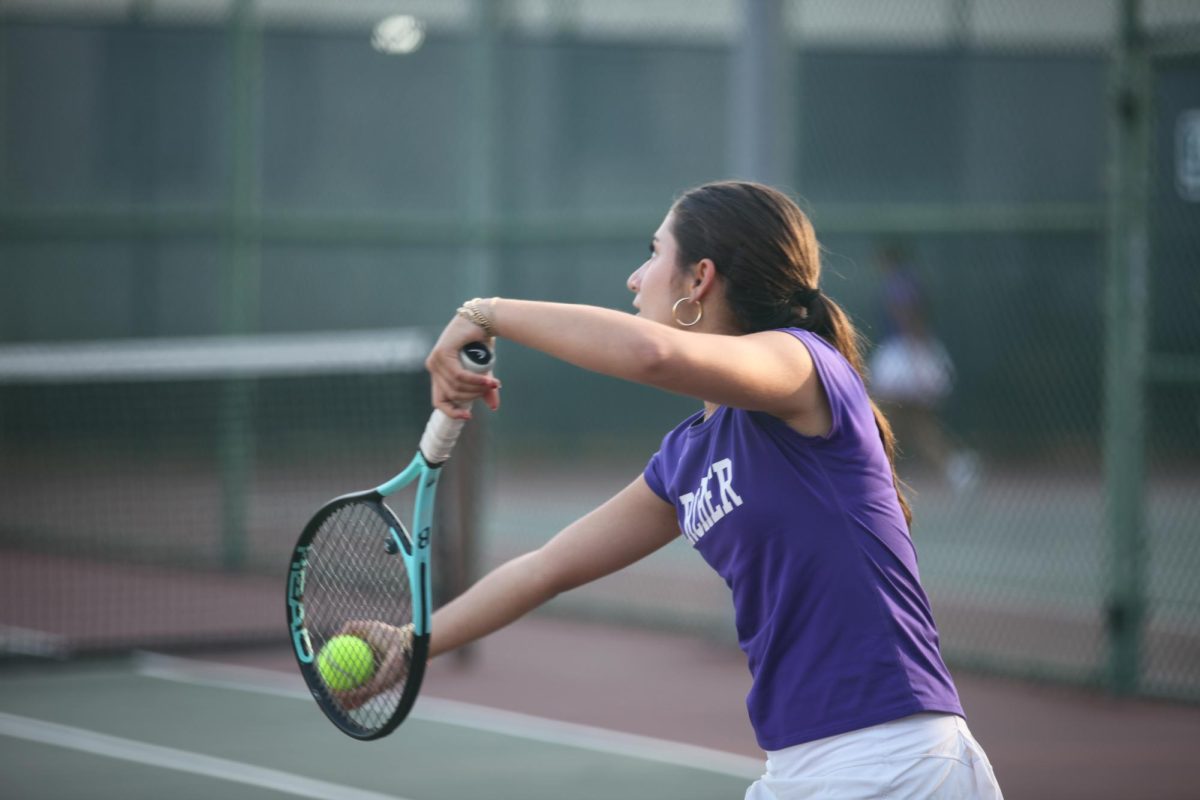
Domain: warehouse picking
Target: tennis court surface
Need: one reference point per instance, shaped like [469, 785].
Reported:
[548, 708]
[166, 727]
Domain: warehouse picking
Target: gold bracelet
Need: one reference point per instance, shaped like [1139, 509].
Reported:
[472, 312]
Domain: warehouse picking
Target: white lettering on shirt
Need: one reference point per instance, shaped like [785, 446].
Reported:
[699, 512]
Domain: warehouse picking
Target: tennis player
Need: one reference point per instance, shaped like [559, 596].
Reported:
[784, 483]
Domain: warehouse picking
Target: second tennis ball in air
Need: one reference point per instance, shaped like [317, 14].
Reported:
[345, 662]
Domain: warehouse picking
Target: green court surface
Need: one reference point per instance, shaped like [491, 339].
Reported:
[154, 727]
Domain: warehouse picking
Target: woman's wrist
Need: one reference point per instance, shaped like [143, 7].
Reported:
[480, 312]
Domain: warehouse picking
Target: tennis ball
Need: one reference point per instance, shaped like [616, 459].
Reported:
[345, 662]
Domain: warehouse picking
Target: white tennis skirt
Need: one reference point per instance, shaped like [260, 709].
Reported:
[924, 757]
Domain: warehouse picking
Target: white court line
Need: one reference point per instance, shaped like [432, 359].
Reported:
[467, 715]
[101, 744]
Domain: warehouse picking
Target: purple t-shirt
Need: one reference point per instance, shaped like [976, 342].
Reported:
[809, 536]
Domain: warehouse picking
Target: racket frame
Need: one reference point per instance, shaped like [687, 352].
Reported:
[439, 438]
[414, 552]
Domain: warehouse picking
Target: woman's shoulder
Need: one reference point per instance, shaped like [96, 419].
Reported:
[810, 339]
[844, 386]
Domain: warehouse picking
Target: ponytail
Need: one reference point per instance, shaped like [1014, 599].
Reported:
[826, 318]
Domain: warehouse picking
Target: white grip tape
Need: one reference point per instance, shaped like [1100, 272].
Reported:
[441, 432]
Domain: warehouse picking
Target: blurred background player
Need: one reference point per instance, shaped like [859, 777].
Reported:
[912, 375]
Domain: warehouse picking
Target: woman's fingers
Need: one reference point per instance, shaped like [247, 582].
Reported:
[470, 385]
[454, 388]
[492, 397]
[391, 646]
[453, 393]
[453, 406]
[391, 670]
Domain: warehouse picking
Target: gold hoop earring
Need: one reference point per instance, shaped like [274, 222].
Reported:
[675, 312]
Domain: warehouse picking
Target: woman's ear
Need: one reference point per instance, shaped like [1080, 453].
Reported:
[704, 278]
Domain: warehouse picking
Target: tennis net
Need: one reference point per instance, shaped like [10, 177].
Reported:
[152, 489]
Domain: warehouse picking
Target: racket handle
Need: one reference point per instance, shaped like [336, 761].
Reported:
[441, 432]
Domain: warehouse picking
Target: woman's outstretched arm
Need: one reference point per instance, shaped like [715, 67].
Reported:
[632, 524]
[768, 371]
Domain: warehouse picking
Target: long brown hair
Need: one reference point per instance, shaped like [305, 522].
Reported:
[765, 248]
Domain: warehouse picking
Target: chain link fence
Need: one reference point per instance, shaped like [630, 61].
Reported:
[1172, 391]
[195, 167]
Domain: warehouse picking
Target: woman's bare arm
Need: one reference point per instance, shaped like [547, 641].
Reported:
[768, 371]
[632, 524]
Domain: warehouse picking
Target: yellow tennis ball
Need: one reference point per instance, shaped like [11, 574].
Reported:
[345, 662]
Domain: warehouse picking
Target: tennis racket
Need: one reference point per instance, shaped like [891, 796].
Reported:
[355, 566]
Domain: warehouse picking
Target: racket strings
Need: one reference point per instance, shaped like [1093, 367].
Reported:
[353, 578]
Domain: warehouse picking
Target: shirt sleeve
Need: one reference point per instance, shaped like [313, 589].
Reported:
[839, 381]
[654, 477]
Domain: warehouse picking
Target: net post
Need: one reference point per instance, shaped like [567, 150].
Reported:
[1126, 306]
[457, 523]
[459, 506]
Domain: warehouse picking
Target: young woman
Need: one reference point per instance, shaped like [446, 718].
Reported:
[784, 484]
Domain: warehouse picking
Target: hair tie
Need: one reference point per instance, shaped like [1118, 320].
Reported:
[805, 297]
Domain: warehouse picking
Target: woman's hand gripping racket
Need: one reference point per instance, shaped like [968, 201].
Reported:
[357, 571]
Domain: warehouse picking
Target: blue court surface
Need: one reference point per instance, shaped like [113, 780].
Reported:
[156, 726]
